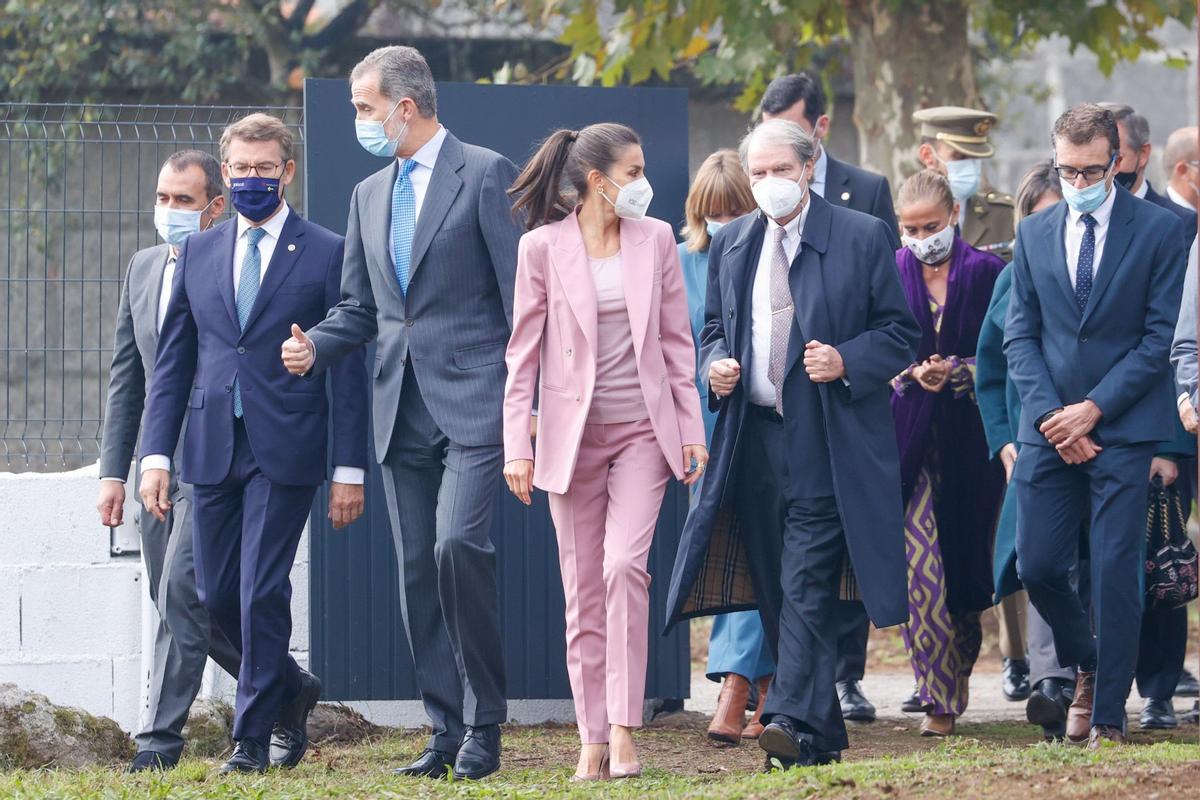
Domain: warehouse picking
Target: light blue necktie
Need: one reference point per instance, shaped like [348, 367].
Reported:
[404, 222]
[247, 294]
[1083, 269]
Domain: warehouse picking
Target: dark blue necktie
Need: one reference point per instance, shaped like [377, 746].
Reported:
[1087, 255]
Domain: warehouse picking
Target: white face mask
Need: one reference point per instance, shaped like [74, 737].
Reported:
[778, 197]
[932, 249]
[632, 199]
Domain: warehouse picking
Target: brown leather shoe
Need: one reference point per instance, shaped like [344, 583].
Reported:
[1079, 715]
[754, 727]
[730, 717]
[937, 725]
[1104, 733]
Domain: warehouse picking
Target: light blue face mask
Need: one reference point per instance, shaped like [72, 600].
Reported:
[1089, 198]
[713, 226]
[964, 176]
[175, 225]
[372, 135]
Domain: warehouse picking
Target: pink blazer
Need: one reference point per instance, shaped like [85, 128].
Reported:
[553, 344]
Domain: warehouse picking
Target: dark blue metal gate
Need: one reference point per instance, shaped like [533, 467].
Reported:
[358, 645]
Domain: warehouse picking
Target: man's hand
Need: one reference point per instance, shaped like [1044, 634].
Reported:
[111, 503]
[699, 454]
[155, 492]
[297, 352]
[518, 474]
[1187, 415]
[1073, 422]
[723, 376]
[1080, 451]
[1165, 469]
[346, 503]
[823, 362]
[1008, 457]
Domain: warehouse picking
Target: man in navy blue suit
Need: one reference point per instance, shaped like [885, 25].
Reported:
[1096, 287]
[256, 442]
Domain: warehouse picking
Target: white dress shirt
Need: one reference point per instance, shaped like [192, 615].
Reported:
[819, 170]
[422, 173]
[164, 294]
[1076, 229]
[761, 390]
[272, 229]
[1143, 190]
[1179, 199]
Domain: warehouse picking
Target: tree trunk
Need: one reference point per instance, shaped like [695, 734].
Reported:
[906, 56]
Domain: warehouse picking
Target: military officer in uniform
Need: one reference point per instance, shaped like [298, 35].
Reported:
[954, 142]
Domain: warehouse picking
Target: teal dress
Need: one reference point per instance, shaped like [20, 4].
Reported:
[737, 643]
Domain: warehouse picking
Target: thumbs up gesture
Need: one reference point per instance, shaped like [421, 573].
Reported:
[298, 353]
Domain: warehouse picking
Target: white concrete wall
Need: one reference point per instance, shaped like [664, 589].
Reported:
[71, 615]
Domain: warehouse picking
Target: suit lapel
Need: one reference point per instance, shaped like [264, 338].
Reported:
[637, 276]
[837, 182]
[376, 209]
[287, 252]
[738, 264]
[224, 273]
[1120, 233]
[1054, 236]
[444, 186]
[150, 295]
[569, 259]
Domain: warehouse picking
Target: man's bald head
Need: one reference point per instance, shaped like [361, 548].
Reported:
[1182, 145]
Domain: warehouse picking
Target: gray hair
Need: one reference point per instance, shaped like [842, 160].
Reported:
[779, 132]
[1182, 145]
[1137, 126]
[403, 72]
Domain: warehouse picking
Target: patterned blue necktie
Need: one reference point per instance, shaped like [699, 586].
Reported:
[247, 293]
[1087, 255]
[404, 222]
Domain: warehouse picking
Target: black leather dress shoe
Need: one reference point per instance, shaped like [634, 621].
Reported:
[248, 756]
[784, 744]
[1014, 680]
[1048, 704]
[289, 738]
[912, 704]
[855, 706]
[1192, 717]
[1188, 685]
[1158, 715]
[430, 764]
[479, 754]
[147, 760]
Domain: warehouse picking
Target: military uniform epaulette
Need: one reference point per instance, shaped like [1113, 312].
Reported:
[996, 247]
[1001, 198]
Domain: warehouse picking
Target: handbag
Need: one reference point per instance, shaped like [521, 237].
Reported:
[1171, 561]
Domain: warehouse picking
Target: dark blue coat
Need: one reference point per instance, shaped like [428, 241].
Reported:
[202, 348]
[1115, 352]
[847, 293]
[1186, 216]
[861, 190]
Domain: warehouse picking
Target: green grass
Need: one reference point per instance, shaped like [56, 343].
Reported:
[989, 760]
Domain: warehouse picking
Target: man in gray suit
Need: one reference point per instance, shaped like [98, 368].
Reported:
[431, 255]
[189, 199]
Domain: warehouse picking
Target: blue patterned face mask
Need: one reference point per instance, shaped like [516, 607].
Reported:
[255, 198]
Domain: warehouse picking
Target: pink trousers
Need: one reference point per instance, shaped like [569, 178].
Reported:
[604, 523]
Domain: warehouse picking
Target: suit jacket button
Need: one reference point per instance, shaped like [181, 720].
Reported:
[408, 323]
[228, 387]
[577, 398]
[568, 351]
[241, 351]
[1083, 338]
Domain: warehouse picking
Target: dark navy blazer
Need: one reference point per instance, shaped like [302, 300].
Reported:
[1115, 352]
[202, 348]
[861, 190]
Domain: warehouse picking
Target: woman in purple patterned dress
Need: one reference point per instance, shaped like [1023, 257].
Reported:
[950, 486]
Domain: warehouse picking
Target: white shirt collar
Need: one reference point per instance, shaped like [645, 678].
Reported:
[427, 156]
[1140, 194]
[1177, 198]
[1102, 213]
[821, 166]
[272, 227]
[795, 228]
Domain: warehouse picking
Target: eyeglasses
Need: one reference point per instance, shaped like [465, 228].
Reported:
[265, 169]
[1090, 174]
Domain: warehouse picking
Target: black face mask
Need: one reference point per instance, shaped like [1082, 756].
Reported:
[1127, 179]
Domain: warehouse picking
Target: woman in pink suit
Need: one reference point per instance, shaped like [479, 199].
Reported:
[601, 331]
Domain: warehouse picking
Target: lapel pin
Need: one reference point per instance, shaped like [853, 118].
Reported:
[845, 195]
[291, 248]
